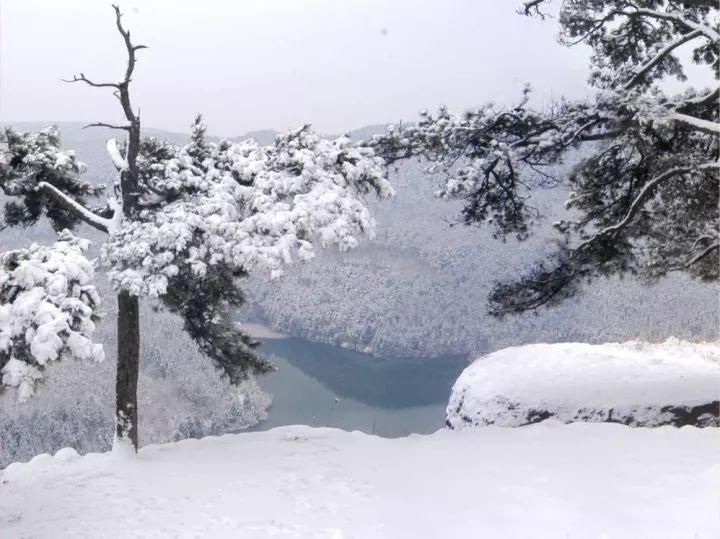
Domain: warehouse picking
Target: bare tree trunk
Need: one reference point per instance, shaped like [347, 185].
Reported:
[128, 364]
[128, 328]
[128, 357]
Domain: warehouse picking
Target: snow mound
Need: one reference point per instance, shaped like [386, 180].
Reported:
[639, 384]
[542, 481]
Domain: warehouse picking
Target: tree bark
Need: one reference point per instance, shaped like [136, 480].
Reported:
[128, 358]
[128, 364]
[128, 328]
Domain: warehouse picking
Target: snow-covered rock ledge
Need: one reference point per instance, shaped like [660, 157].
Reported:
[639, 384]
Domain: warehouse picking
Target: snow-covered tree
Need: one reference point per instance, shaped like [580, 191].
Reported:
[644, 200]
[183, 225]
[47, 310]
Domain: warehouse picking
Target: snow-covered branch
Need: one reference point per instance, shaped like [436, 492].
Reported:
[117, 158]
[674, 16]
[244, 206]
[706, 126]
[642, 197]
[642, 70]
[710, 97]
[78, 209]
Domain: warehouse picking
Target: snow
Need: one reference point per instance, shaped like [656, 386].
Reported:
[543, 481]
[98, 222]
[635, 383]
[47, 306]
[248, 207]
[697, 123]
[116, 156]
[261, 331]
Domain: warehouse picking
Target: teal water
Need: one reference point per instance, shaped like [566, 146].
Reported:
[323, 385]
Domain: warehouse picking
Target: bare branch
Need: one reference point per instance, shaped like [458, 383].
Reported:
[589, 137]
[109, 126]
[533, 8]
[702, 255]
[83, 78]
[128, 44]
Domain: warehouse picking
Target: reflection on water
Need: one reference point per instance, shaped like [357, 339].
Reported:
[324, 385]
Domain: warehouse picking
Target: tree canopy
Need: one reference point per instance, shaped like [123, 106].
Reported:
[643, 201]
[183, 224]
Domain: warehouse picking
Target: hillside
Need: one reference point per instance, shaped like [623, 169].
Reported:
[420, 287]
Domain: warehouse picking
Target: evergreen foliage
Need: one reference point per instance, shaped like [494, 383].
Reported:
[643, 202]
[183, 225]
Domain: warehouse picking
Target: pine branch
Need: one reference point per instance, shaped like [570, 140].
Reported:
[706, 126]
[80, 211]
[640, 73]
[640, 200]
[676, 17]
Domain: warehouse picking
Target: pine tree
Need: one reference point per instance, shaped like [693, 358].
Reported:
[644, 201]
[183, 225]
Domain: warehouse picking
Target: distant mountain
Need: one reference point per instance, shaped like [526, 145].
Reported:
[263, 136]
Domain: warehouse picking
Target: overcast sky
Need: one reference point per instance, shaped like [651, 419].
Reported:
[257, 64]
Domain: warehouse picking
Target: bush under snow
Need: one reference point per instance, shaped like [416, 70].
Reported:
[639, 384]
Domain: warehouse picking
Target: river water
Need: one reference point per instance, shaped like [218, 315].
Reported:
[324, 385]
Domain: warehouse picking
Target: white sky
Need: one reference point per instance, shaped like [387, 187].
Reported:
[257, 64]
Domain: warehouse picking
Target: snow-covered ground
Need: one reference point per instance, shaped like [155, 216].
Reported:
[543, 481]
[261, 331]
[640, 384]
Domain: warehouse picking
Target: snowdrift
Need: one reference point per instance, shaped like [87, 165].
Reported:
[542, 481]
[638, 384]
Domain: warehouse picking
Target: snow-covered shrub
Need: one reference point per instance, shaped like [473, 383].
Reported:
[638, 384]
[47, 303]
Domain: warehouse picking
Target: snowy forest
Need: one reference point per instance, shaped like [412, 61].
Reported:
[525, 278]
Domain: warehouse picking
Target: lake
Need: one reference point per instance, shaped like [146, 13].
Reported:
[324, 385]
